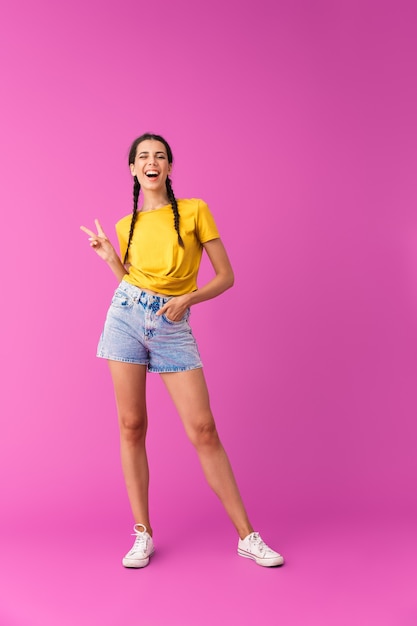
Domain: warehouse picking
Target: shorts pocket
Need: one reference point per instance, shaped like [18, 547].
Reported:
[181, 321]
[121, 300]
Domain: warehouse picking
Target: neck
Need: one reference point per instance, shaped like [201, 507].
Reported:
[154, 200]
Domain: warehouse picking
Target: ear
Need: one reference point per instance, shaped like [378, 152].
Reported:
[169, 169]
[132, 169]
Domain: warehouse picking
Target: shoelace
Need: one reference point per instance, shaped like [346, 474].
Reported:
[141, 540]
[257, 541]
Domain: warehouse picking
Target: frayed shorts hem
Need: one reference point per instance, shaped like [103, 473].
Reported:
[152, 370]
[121, 359]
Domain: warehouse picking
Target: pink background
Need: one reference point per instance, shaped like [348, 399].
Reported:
[296, 122]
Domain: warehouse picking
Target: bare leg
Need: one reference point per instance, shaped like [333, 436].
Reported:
[129, 382]
[188, 391]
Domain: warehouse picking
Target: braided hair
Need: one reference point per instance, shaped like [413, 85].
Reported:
[174, 206]
[136, 189]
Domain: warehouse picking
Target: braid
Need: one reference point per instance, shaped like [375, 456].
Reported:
[174, 206]
[136, 190]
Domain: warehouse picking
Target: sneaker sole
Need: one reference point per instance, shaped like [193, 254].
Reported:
[136, 563]
[275, 562]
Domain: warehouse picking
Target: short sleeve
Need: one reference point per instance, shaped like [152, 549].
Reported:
[206, 226]
[122, 236]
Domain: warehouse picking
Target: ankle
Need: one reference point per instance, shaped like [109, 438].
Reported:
[142, 527]
[244, 531]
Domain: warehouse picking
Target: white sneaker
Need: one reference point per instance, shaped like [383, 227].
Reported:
[141, 550]
[252, 547]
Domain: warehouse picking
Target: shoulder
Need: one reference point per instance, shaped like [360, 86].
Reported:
[195, 212]
[124, 223]
[192, 205]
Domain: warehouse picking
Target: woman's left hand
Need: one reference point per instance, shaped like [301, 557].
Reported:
[175, 308]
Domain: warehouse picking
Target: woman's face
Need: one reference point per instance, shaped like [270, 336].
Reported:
[151, 165]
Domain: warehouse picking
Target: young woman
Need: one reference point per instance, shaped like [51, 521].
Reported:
[147, 330]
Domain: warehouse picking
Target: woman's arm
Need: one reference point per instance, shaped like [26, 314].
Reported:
[105, 250]
[223, 279]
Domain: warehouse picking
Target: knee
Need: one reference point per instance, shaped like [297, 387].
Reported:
[133, 428]
[204, 434]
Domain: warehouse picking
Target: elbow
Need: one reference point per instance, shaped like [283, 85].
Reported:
[230, 280]
[225, 280]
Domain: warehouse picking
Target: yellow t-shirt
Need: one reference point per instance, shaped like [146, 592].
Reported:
[157, 261]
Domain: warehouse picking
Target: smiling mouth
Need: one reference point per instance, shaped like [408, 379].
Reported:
[152, 174]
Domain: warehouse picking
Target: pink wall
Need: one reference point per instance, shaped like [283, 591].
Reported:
[296, 122]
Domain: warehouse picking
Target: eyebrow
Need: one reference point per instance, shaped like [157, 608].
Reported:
[158, 152]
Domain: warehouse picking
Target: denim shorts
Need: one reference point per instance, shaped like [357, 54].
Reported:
[133, 333]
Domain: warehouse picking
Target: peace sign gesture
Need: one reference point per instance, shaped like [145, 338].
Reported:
[100, 242]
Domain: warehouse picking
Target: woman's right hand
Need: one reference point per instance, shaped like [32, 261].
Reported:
[100, 242]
